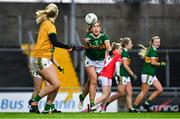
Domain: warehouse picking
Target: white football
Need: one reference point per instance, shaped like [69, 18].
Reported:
[91, 18]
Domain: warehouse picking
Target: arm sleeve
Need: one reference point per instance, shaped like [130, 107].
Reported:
[106, 37]
[56, 43]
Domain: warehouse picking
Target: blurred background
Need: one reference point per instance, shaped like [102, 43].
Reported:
[137, 19]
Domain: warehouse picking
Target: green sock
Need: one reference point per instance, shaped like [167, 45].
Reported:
[52, 106]
[91, 102]
[47, 107]
[135, 106]
[37, 98]
[82, 96]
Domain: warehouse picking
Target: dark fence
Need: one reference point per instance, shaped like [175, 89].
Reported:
[14, 69]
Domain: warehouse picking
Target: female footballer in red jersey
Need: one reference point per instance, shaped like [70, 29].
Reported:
[122, 77]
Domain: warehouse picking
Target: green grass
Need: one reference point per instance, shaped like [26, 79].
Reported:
[168, 115]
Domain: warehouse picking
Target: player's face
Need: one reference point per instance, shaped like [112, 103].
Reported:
[130, 45]
[156, 43]
[96, 29]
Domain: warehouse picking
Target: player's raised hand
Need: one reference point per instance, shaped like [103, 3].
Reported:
[163, 64]
[134, 76]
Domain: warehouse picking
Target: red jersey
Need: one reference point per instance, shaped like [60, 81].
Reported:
[109, 64]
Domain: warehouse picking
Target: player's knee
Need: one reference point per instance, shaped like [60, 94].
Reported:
[106, 96]
[121, 93]
[129, 93]
[143, 93]
[56, 85]
[93, 83]
[160, 90]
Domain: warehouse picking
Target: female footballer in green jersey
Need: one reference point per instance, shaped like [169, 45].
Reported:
[43, 63]
[148, 76]
[97, 44]
[123, 76]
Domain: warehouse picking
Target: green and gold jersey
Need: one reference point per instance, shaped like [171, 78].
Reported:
[148, 68]
[43, 45]
[97, 53]
[124, 55]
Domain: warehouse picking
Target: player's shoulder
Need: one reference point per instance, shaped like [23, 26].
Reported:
[124, 51]
[152, 49]
[48, 22]
[90, 34]
[103, 34]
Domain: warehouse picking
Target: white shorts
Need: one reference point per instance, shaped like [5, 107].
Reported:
[125, 80]
[149, 79]
[104, 81]
[98, 64]
[37, 64]
[35, 74]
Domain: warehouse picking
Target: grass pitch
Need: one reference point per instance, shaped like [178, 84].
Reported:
[143, 115]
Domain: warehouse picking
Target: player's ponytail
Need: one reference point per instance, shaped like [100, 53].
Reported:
[50, 12]
[124, 41]
[115, 46]
[121, 40]
[40, 16]
[142, 52]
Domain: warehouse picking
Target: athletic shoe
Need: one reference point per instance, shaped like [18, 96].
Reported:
[81, 100]
[91, 108]
[147, 107]
[103, 108]
[133, 110]
[56, 111]
[33, 106]
[51, 111]
[30, 101]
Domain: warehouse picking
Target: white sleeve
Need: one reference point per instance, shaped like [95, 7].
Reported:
[117, 68]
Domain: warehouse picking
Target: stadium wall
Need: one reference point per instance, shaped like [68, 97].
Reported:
[139, 21]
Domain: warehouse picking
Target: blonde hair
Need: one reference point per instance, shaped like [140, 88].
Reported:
[153, 38]
[124, 41]
[115, 46]
[50, 12]
[143, 51]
